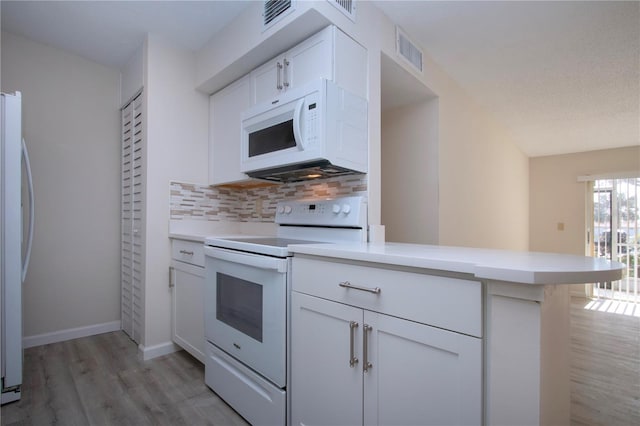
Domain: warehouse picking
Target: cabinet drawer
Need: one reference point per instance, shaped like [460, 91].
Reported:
[188, 251]
[448, 303]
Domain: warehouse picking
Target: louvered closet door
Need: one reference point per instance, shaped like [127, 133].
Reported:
[132, 209]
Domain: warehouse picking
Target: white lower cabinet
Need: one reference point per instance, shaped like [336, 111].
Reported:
[187, 279]
[354, 366]
[421, 375]
[325, 389]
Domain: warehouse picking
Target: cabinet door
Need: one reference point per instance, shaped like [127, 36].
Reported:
[309, 61]
[421, 375]
[225, 109]
[188, 308]
[266, 81]
[325, 389]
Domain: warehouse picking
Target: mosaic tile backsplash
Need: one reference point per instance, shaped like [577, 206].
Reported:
[202, 202]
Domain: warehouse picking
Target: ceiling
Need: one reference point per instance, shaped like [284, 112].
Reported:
[110, 32]
[562, 77]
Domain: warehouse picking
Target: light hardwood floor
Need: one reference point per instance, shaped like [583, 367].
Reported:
[605, 366]
[99, 380]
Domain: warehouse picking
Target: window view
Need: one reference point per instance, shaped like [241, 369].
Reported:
[616, 236]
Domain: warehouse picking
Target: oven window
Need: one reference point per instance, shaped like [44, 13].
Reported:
[239, 305]
[272, 139]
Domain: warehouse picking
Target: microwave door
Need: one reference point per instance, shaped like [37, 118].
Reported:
[275, 131]
[277, 135]
[272, 139]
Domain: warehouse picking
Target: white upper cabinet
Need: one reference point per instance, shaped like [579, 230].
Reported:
[329, 54]
[225, 109]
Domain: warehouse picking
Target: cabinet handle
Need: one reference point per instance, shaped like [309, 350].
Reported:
[171, 283]
[347, 284]
[285, 78]
[352, 337]
[278, 82]
[187, 252]
[366, 365]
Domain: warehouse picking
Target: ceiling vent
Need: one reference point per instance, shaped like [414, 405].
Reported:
[275, 10]
[348, 7]
[408, 50]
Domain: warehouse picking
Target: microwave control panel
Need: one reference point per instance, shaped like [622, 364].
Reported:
[312, 120]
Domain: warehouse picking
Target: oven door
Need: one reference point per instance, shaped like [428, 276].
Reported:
[245, 309]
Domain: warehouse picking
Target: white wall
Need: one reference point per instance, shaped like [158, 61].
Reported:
[483, 178]
[132, 76]
[71, 126]
[558, 197]
[409, 155]
[177, 149]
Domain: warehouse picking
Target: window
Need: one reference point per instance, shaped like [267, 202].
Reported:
[615, 234]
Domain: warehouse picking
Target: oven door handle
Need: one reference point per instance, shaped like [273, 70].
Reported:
[248, 259]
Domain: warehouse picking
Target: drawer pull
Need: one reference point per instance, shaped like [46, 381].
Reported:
[285, 79]
[279, 85]
[353, 360]
[187, 252]
[366, 365]
[347, 284]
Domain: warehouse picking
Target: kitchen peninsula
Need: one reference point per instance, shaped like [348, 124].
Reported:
[442, 335]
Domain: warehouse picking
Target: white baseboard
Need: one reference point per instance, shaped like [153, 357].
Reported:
[70, 334]
[149, 352]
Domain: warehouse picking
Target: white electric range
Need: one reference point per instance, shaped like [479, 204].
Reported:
[247, 297]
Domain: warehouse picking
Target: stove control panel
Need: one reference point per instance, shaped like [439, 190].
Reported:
[347, 212]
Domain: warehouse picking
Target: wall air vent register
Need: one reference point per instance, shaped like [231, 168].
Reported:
[348, 7]
[408, 50]
[274, 10]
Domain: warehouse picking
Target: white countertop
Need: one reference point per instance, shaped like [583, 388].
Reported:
[199, 230]
[486, 264]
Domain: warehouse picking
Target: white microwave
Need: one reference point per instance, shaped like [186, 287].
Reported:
[318, 130]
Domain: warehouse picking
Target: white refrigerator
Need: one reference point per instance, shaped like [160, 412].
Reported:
[15, 248]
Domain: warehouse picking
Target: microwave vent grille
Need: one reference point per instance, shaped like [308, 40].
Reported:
[348, 7]
[320, 169]
[408, 50]
[274, 10]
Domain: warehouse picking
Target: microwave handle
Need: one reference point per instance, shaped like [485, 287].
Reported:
[297, 133]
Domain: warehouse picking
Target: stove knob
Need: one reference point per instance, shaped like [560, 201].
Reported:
[287, 209]
[280, 209]
[346, 208]
[336, 208]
